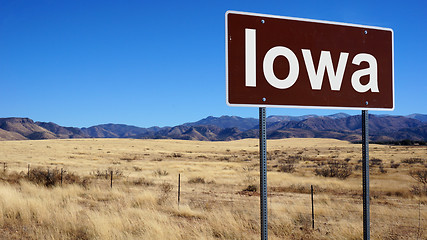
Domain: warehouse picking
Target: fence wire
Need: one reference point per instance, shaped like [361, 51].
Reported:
[321, 217]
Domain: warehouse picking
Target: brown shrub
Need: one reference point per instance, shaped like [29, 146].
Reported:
[165, 189]
[137, 169]
[197, 180]
[287, 168]
[413, 161]
[100, 173]
[419, 175]
[334, 168]
[294, 159]
[381, 168]
[71, 178]
[160, 173]
[251, 188]
[12, 177]
[142, 181]
[51, 177]
[375, 161]
[419, 190]
[394, 165]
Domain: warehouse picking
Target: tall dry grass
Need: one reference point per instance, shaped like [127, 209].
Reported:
[143, 201]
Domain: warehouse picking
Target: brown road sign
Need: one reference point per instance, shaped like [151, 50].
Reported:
[291, 62]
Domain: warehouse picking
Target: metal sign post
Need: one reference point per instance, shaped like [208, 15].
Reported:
[365, 174]
[263, 172]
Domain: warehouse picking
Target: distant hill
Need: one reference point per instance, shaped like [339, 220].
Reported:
[227, 122]
[23, 128]
[7, 135]
[63, 132]
[117, 131]
[349, 128]
[275, 118]
[421, 117]
[120, 130]
[382, 128]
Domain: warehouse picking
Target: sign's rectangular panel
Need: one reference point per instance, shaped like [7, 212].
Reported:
[275, 61]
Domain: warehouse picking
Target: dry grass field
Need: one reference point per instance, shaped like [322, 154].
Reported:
[219, 189]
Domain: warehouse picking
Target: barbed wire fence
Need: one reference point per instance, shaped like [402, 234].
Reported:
[328, 214]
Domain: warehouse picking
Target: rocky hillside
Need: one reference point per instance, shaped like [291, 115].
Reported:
[382, 128]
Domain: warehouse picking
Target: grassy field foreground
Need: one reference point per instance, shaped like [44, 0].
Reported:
[219, 189]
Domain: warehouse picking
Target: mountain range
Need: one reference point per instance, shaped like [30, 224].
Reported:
[382, 128]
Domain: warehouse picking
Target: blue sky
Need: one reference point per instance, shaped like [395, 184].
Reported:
[162, 63]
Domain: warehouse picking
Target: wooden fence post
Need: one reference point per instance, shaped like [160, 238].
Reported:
[312, 207]
[111, 183]
[179, 188]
